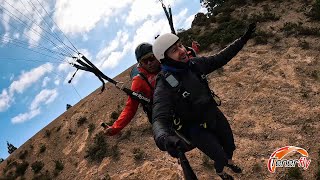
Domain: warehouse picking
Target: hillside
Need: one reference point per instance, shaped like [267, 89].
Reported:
[270, 94]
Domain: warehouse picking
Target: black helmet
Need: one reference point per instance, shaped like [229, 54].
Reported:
[143, 50]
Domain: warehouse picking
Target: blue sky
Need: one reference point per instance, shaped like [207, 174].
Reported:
[33, 86]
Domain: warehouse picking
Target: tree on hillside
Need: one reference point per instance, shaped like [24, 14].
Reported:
[210, 4]
[1, 160]
[11, 147]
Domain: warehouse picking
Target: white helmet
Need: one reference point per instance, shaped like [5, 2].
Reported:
[162, 44]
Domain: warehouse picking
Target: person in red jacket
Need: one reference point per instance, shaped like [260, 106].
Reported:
[144, 83]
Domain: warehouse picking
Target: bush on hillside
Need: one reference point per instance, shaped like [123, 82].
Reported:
[290, 28]
[42, 148]
[264, 17]
[224, 34]
[314, 13]
[23, 154]
[37, 166]
[81, 121]
[138, 154]
[98, 149]
[21, 168]
[91, 127]
[261, 37]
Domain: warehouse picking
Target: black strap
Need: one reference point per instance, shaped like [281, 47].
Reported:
[146, 80]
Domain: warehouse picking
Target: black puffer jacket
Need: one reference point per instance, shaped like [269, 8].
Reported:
[167, 101]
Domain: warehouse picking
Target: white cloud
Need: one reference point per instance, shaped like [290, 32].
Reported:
[5, 100]
[5, 38]
[26, 79]
[45, 81]
[149, 29]
[79, 16]
[16, 35]
[57, 82]
[24, 11]
[64, 67]
[113, 60]
[25, 116]
[45, 96]
[34, 35]
[106, 57]
[141, 10]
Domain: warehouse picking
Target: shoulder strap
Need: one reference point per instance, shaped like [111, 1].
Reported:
[146, 80]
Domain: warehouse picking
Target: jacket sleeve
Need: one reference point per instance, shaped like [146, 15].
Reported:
[162, 112]
[130, 109]
[211, 63]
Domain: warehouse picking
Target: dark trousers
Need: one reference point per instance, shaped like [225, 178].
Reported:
[216, 141]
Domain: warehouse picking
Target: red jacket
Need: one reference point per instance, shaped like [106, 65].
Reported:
[138, 85]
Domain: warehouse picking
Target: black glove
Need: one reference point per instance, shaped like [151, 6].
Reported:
[174, 145]
[251, 29]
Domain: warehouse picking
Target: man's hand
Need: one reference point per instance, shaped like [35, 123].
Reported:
[108, 130]
[174, 144]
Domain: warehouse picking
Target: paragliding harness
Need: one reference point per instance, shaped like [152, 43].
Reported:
[184, 95]
[147, 108]
[86, 65]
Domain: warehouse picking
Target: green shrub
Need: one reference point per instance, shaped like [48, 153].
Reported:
[315, 11]
[47, 133]
[21, 168]
[256, 168]
[138, 154]
[222, 18]
[115, 153]
[23, 154]
[261, 37]
[304, 44]
[58, 165]
[264, 17]
[126, 135]
[114, 115]
[294, 173]
[106, 177]
[41, 176]
[81, 121]
[315, 74]
[37, 166]
[200, 19]
[224, 34]
[290, 28]
[42, 148]
[98, 149]
[91, 127]
[58, 128]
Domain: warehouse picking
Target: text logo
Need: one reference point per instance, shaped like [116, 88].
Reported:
[277, 158]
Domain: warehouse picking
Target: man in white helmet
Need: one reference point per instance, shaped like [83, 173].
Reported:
[184, 104]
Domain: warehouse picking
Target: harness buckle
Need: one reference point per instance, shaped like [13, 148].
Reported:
[185, 94]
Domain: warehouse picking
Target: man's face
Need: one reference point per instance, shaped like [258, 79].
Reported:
[150, 63]
[178, 52]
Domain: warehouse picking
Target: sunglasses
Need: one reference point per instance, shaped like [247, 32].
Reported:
[150, 58]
